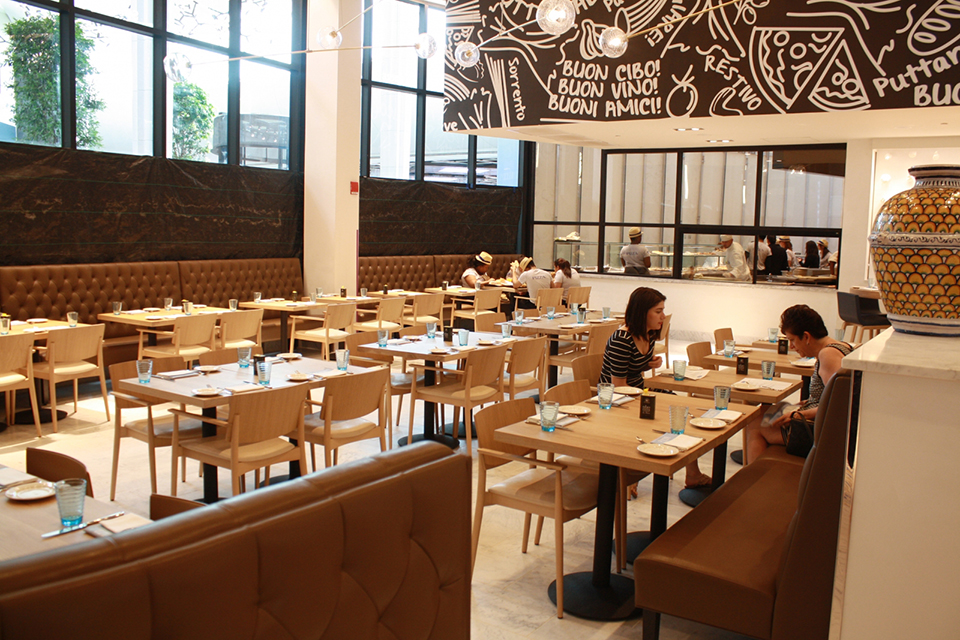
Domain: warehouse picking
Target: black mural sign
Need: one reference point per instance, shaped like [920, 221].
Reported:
[752, 57]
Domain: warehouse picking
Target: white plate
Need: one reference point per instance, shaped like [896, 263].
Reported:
[199, 306]
[208, 368]
[804, 363]
[570, 325]
[658, 450]
[438, 351]
[598, 320]
[628, 391]
[154, 318]
[486, 343]
[298, 377]
[693, 367]
[37, 320]
[289, 356]
[745, 386]
[36, 490]
[151, 309]
[707, 423]
[206, 392]
[575, 410]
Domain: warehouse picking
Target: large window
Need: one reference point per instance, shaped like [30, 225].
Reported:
[403, 135]
[89, 74]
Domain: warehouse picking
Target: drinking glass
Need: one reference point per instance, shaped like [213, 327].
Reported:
[382, 337]
[4, 326]
[234, 304]
[243, 356]
[117, 306]
[605, 395]
[550, 312]
[257, 296]
[464, 337]
[363, 292]
[574, 307]
[319, 291]
[678, 419]
[606, 313]
[72, 318]
[343, 358]
[721, 397]
[313, 298]
[772, 334]
[263, 373]
[188, 308]
[582, 315]
[70, 497]
[767, 369]
[477, 285]
[548, 416]
[518, 316]
[728, 347]
[144, 369]
[679, 369]
[431, 329]
[168, 303]
[505, 330]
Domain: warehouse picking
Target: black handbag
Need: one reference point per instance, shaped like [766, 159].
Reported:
[798, 435]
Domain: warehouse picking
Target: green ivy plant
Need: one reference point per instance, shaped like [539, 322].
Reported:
[193, 117]
[33, 53]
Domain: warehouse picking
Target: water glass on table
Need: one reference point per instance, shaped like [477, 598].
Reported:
[550, 312]
[71, 494]
[678, 419]
[4, 325]
[343, 359]
[721, 397]
[313, 298]
[382, 335]
[431, 329]
[187, 307]
[464, 336]
[548, 416]
[117, 307]
[263, 372]
[243, 356]
[582, 315]
[505, 330]
[363, 292]
[319, 291]
[679, 369]
[772, 334]
[144, 370]
[257, 296]
[605, 395]
[233, 304]
[73, 318]
[767, 369]
[168, 303]
[518, 316]
[606, 313]
[728, 348]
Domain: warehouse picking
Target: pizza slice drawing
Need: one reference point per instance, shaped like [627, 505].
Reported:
[783, 60]
[839, 87]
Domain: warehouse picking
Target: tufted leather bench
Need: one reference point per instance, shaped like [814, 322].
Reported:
[416, 273]
[377, 548]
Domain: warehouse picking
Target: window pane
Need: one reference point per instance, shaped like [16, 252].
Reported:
[394, 23]
[803, 188]
[393, 126]
[264, 116]
[197, 110]
[719, 188]
[266, 27]
[140, 11]
[437, 27]
[498, 162]
[204, 20]
[445, 154]
[658, 241]
[704, 258]
[641, 188]
[29, 75]
[114, 90]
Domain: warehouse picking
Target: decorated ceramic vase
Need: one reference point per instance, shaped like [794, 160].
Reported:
[915, 246]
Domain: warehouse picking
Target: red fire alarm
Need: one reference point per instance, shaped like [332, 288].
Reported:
[354, 188]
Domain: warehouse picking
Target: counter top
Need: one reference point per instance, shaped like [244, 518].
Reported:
[908, 355]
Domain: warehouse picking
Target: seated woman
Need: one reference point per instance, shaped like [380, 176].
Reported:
[629, 352]
[811, 258]
[809, 337]
[565, 276]
[477, 270]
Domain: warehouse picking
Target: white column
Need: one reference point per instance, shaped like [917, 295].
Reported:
[332, 151]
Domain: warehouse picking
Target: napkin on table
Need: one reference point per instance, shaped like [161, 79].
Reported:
[243, 388]
[727, 415]
[679, 440]
[561, 422]
[618, 399]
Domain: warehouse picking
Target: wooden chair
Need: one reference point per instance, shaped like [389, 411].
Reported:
[68, 355]
[485, 303]
[527, 366]
[16, 372]
[697, 351]
[53, 467]
[488, 322]
[546, 297]
[479, 382]
[426, 308]
[191, 337]
[720, 335]
[347, 401]
[253, 438]
[588, 368]
[596, 343]
[166, 506]
[547, 489]
[241, 329]
[578, 295]
[224, 356]
[154, 431]
[662, 347]
[337, 324]
[389, 316]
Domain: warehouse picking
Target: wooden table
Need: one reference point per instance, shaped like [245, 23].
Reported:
[181, 391]
[609, 438]
[285, 307]
[783, 365]
[764, 344]
[157, 319]
[39, 330]
[724, 378]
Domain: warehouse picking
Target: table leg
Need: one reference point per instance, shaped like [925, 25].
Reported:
[429, 410]
[598, 595]
[552, 369]
[693, 497]
[284, 332]
[211, 492]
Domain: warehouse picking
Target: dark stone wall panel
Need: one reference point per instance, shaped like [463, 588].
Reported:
[399, 217]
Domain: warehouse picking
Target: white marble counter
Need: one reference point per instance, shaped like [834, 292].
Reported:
[908, 355]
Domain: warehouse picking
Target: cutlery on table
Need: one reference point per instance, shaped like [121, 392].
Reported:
[4, 487]
[82, 525]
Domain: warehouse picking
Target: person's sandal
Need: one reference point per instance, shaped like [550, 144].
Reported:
[705, 481]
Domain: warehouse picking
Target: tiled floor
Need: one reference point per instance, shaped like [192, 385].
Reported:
[509, 588]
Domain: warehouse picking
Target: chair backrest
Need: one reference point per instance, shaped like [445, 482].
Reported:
[391, 310]
[805, 582]
[697, 351]
[488, 322]
[578, 295]
[847, 307]
[354, 396]
[485, 366]
[665, 328]
[569, 392]
[16, 351]
[76, 344]
[262, 415]
[486, 300]
[413, 330]
[240, 325]
[221, 356]
[340, 316]
[430, 304]
[527, 355]
[360, 338]
[53, 467]
[165, 506]
[196, 329]
[598, 336]
[720, 335]
[549, 297]
[588, 368]
[488, 420]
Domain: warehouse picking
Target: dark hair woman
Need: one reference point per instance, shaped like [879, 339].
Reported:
[564, 276]
[477, 270]
[811, 259]
[629, 350]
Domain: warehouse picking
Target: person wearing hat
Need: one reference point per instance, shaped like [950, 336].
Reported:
[763, 252]
[477, 270]
[635, 258]
[528, 275]
[787, 244]
[777, 261]
[823, 245]
[735, 257]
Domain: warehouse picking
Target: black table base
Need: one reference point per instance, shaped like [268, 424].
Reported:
[584, 600]
[453, 443]
[637, 541]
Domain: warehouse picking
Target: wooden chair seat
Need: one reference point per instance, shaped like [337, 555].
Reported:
[339, 428]
[411, 319]
[315, 334]
[191, 335]
[538, 486]
[11, 378]
[254, 452]
[455, 391]
[163, 429]
[16, 372]
[168, 350]
[375, 325]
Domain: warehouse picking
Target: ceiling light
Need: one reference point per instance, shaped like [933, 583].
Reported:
[556, 16]
[613, 42]
[718, 141]
[425, 45]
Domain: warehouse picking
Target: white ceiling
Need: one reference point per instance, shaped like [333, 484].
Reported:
[779, 129]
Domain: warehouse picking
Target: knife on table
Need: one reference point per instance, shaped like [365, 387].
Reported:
[82, 525]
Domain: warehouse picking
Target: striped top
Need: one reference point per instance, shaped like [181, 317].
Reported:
[816, 382]
[622, 359]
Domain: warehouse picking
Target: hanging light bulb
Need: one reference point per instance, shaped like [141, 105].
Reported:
[177, 67]
[425, 45]
[556, 16]
[467, 54]
[613, 42]
[329, 38]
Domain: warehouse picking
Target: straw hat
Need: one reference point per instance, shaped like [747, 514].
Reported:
[783, 239]
[484, 258]
[525, 263]
[824, 243]
[634, 232]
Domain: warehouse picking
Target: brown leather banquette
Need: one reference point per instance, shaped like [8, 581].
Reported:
[416, 273]
[377, 548]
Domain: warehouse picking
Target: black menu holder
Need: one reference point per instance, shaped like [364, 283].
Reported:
[783, 346]
[648, 406]
[743, 365]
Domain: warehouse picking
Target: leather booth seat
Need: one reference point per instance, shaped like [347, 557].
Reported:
[378, 548]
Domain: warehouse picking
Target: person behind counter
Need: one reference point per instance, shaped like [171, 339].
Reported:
[811, 258]
[477, 270]
[823, 246]
[565, 276]
[763, 252]
[735, 257]
[787, 245]
[777, 261]
[527, 275]
[635, 258]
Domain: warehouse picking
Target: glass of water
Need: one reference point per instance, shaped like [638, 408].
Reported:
[257, 296]
[721, 397]
[678, 419]
[548, 416]
[518, 316]
[606, 313]
[4, 325]
[431, 329]
[605, 395]
[168, 303]
[117, 307]
[71, 494]
[363, 292]
[772, 334]
[243, 356]
[382, 337]
[679, 369]
[343, 359]
[144, 369]
[464, 336]
[234, 304]
[505, 330]
[728, 348]
[72, 318]
[768, 368]
[550, 312]
[263, 372]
